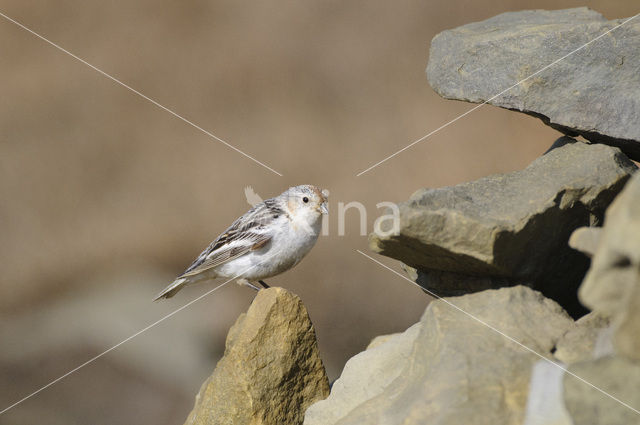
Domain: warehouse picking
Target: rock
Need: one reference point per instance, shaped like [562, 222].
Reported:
[614, 377]
[607, 391]
[478, 61]
[457, 371]
[585, 240]
[579, 343]
[365, 376]
[271, 370]
[626, 339]
[513, 226]
[612, 285]
[439, 283]
[379, 340]
[449, 284]
[560, 142]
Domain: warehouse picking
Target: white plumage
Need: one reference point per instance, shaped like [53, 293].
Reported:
[267, 240]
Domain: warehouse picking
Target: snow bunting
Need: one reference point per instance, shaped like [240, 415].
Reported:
[267, 240]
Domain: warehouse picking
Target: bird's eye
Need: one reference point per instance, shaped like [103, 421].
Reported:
[305, 199]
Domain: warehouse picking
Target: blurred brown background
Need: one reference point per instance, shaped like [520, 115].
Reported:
[104, 197]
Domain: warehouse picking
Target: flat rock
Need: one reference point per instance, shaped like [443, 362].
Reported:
[271, 370]
[513, 226]
[612, 285]
[457, 370]
[594, 92]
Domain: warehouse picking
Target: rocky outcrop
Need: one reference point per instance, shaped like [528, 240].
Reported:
[612, 285]
[502, 356]
[511, 227]
[271, 370]
[602, 349]
[515, 228]
[594, 92]
[602, 389]
[452, 367]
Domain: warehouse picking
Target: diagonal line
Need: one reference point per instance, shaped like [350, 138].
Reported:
[127, 339]
[136, 334]
[501, 333]
[114, 347]
[115, 80]
[497, 95]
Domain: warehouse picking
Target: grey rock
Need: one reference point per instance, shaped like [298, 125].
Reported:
[365, 376]
[458, 370]
[271, 370]
[515, 226]
[585, 240]
[613, 377]
[579, 343]
[612, 285]
[594, 92]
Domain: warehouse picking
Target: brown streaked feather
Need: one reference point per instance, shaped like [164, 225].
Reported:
[245, 234]
[224, 254]
[259, 245]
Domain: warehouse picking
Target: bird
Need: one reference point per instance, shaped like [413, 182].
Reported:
[269, 239]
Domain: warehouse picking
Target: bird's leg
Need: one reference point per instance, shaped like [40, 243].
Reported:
[252, 286]
[263, 283]
[245, 282]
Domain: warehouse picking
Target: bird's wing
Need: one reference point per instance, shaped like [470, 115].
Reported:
[248, 233]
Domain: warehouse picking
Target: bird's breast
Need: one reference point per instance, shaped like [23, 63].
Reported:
[297, 238]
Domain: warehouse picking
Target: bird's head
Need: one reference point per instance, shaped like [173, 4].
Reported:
[306, 202]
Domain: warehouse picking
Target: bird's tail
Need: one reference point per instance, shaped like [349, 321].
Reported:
[172, 289]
